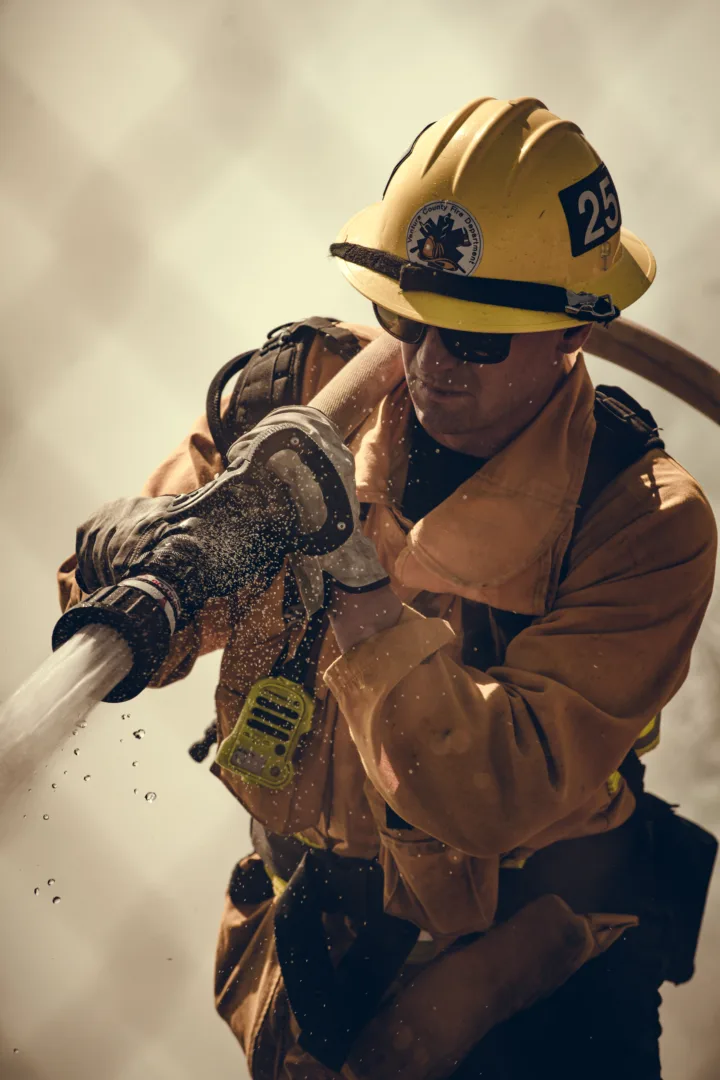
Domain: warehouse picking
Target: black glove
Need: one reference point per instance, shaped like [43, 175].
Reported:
[233, 532]
[116, 537]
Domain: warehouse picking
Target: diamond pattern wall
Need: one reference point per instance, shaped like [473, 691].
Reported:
[171, 174]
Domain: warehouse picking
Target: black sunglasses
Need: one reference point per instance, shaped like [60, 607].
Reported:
[467, 345]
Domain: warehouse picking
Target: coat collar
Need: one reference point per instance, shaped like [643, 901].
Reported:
[501, 536]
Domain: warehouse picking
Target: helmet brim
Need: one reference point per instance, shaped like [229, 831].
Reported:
[626, 280]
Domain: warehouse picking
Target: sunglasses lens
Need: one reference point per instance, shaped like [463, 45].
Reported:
[477, 348]
[406, 330]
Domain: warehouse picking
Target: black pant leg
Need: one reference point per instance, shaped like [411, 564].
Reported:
[602, 1023]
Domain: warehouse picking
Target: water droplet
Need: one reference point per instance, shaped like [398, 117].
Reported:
[51, 881]
[139, 734]
[76, 751]
[86, 777]
[56, 899]
[53, 786]
[82, 723]
[46, 817]
[150, 797]
[36, 891]
[135, 763]
[64, 772]
[16, 1051]
[135, 791]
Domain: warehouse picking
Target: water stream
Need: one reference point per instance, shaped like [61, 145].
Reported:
[43, 712]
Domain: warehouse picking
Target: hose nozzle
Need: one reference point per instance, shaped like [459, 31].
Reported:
[144, 611]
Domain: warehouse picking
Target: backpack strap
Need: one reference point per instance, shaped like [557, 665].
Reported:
[270, 377]
[624, 433]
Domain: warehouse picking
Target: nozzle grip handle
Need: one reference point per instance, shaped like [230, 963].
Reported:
[338, 524]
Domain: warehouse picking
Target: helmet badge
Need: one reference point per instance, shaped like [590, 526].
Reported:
[445, 236]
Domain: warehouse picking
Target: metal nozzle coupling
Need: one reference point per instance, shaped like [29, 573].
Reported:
[144, 611]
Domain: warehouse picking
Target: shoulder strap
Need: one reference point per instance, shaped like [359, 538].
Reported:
[624, 433]
[271, 376]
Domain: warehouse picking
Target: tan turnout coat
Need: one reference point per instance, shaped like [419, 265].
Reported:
[485, 765]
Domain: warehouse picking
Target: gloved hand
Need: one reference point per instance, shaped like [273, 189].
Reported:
[353, 565]
[233, 532]
[115, 538]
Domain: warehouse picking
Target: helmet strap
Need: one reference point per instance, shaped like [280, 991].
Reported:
[498, 292]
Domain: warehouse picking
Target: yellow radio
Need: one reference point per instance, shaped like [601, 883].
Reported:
[260, 748]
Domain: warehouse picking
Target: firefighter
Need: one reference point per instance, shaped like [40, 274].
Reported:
[462, 877]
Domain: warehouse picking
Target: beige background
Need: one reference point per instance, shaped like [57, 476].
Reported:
[172, 173]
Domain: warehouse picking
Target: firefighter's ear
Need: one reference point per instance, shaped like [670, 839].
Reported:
[574, 338]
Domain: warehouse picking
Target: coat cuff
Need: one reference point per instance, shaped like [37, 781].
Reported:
[375, 666]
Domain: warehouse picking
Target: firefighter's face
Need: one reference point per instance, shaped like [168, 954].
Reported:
[469, 406]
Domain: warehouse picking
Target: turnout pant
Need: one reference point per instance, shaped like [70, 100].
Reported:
[602, 1023]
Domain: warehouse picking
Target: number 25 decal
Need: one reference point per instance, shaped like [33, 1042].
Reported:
[592, 210]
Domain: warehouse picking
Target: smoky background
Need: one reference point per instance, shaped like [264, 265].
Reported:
[171, 175]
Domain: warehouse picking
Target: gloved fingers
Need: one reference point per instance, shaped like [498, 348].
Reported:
[131, 551]
[237, 536]
[106, 541]
[230, 534]
[84, 572]
[91, 541]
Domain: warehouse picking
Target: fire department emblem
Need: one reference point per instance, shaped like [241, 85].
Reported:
[445, 236]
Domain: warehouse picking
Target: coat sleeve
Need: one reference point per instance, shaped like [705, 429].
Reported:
[485, 760]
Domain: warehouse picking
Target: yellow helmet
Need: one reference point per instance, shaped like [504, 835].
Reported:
[500, 218]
